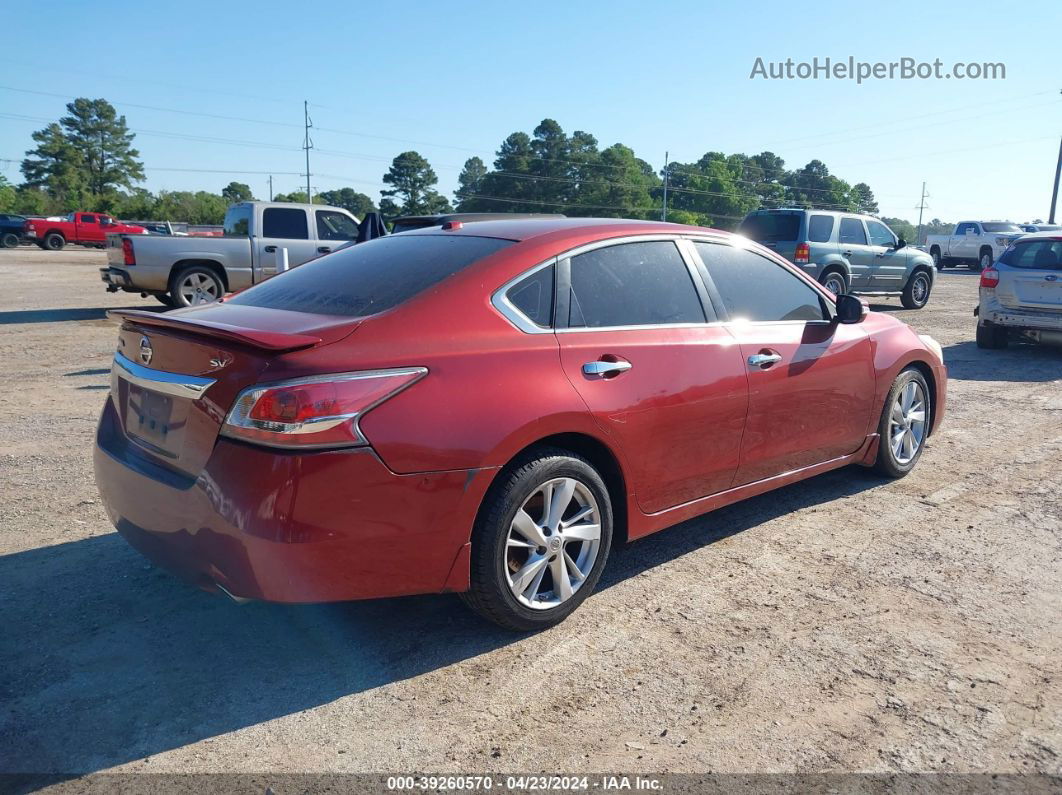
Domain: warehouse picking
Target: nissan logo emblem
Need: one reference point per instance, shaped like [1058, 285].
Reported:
[145, 350]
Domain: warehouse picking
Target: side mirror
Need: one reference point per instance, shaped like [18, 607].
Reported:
[851, 309]
[901, 243]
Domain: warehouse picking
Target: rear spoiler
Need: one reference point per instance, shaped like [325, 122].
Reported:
[255, 338]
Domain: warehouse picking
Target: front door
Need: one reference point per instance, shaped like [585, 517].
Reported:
[854, 247]
[811, 381]
[282, 228]
[668, 388]
[888, 269]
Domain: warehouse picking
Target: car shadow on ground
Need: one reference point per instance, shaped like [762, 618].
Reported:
[62, 315]
[1020, 361]
[107, 659]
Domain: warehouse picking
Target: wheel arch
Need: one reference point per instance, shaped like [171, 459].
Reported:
[931, 381]
[213, 265]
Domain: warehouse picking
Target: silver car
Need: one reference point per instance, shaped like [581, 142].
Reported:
[1021, 294]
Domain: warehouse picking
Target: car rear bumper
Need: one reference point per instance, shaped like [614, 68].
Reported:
[116, 279]
[310, 527]
[994, 312]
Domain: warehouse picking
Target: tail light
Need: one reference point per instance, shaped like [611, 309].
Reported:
[803, 254]
[322, 411]
[31, 230]
[989, 277]
[127, 251]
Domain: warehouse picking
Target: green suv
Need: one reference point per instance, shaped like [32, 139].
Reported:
[845, 252]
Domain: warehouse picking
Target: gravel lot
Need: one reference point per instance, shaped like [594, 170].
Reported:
[845, 623]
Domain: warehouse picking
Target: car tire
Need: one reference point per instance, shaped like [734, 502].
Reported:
[195, 285]
[916, 292]
[54, 242]
[9, 240]
[165, 299]
[984, 261]
[992, 337]
[834, 276]
[901, 435]
[938, 261]
[516, 563]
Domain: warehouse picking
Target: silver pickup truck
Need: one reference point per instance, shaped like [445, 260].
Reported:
[183, 271]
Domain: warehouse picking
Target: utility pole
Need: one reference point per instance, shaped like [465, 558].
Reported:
[667, 174]
[1054, 193]
[270, 187]
[307, 144]
[921, 208]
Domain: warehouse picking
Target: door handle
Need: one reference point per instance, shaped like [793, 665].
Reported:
[270, 249]
[846, 253]
[764, 360]
[323, 249]
[606, 368]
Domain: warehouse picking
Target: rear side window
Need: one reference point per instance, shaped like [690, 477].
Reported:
[852, 232]
[533, 296]
[771, 227]
[88, 219]
[284, 222]
[755, 289]
[238, 221]
[1037, 254]
[820, 228]
[632, 284]
[370, 277]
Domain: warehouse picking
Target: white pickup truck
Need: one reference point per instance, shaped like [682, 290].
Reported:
[183, 271]
[976, 243]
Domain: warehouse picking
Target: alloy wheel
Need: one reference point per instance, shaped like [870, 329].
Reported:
[198, 288]
[835, 283]
[907, 423]
[553, 543]
[920, 289]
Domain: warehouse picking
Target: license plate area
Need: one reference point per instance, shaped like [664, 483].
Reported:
[153, 420]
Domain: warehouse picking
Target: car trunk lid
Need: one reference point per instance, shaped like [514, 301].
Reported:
[176, 374]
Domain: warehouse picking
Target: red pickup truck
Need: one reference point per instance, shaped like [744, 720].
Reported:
[88, 229]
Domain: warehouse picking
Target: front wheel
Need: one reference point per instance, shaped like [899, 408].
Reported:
[904, 424]
[540, 542]
[916, 293]
[984, 262]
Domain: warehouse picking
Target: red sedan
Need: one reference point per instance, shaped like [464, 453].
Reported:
[489, 408]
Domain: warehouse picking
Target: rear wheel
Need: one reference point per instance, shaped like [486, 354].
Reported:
[194, 285]
[916, 293]
[938, 261]
[540, 542]
[834, 281]
[9, 240]
[54, 241]
[904, 424]
[991, 336]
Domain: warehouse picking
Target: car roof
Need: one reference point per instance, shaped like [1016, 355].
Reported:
[442, 218]
[520, 229]
[1048, 233]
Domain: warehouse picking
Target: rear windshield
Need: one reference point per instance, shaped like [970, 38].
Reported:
[370, 277]
[771, 227]
[1038, 254]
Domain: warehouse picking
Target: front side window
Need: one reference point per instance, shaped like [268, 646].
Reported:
[288, 223]
[880, 235]
[370, 277]
[632, 284]
[335, 226]
[1036, 254]
[820, 228]
[755, 289]
[852, 232]
[533, 296]
[238, 221]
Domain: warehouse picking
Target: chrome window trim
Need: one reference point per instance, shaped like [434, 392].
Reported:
[173, 384]
[507, 308]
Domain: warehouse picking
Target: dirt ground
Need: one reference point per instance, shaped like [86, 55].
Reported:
[846, 623]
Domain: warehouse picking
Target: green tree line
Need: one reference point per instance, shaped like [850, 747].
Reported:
[86, 160]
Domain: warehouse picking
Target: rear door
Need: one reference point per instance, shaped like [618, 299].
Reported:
[286, 228]
[855, 247]
[1030, 275]
[661, 381]
[811, 381]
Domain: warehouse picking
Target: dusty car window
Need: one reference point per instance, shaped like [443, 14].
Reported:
[1038, 254]
[820, 228]
[755, 289]
[852, 232]
[534, 296]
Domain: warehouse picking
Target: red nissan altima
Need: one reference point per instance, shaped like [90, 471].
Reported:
[489, 408]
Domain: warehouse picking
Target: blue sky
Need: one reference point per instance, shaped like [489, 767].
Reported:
[457, 79]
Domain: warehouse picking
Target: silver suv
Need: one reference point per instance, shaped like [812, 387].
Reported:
[846, 252]
[1021, 294]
